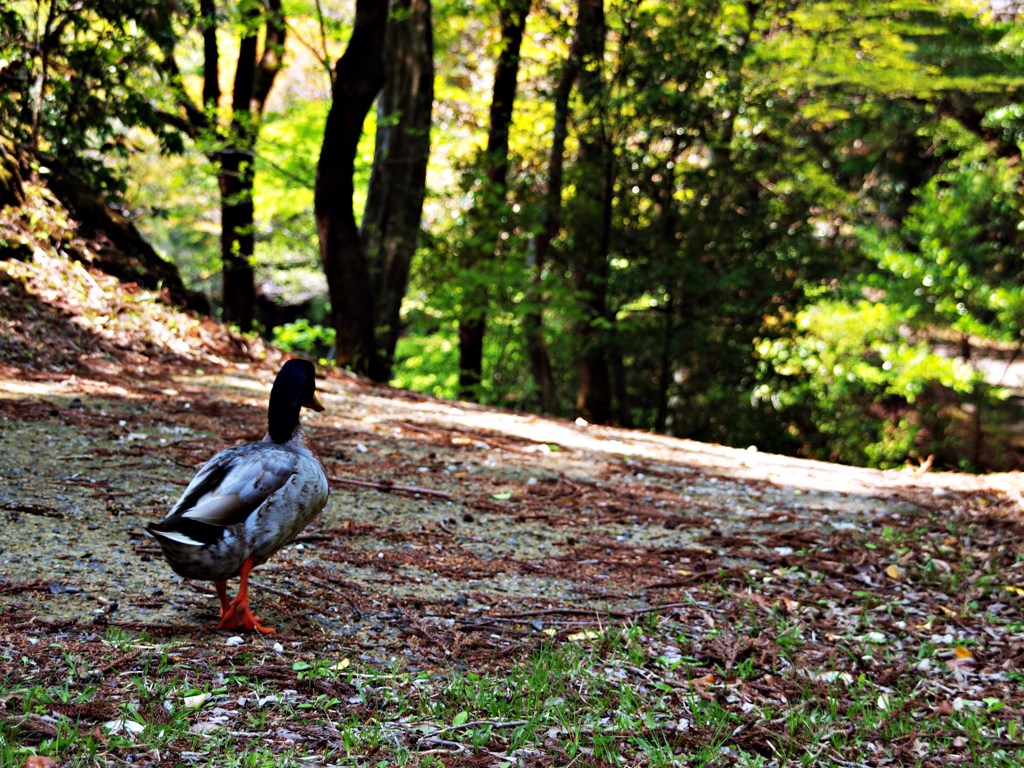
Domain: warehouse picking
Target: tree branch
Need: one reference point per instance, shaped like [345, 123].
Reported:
[273, 52]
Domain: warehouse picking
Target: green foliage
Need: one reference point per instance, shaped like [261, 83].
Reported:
[305, 337]
[763, 157]
[852, 387]
[76, 78]
[859, 381]
[956, 260]
[427, 358]
[179, 197]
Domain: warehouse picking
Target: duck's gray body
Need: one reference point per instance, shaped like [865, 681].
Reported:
[247, 501]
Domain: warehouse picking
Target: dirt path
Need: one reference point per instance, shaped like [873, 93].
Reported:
[460, 540]
[523, 523]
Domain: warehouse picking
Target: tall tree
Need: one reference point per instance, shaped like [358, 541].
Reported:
[590, 218]
[232, 147]
[359, 76]
[394, 202]
[551, 223]
[489, 198]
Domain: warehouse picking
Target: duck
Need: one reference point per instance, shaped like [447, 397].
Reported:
[249, 501]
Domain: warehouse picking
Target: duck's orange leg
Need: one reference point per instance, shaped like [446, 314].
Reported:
[238, 614]
[222, 592]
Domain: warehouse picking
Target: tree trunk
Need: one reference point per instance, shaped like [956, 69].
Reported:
[236, 177]
[471, 346]
[533, 322]
[236, 172]
[590, 221]
[394, 203]
[674, 278]
[536, 345]
[211, 57]
[358, 78]
[664, 367]
[234, 147]
[490, 198]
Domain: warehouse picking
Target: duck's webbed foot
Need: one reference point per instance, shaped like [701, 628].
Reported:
[236, 614]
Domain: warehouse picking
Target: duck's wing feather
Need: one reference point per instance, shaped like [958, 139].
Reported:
[232, 485]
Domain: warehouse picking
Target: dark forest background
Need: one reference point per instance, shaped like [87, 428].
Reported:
[791, 225]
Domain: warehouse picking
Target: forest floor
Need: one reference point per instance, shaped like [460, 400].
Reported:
[483, 588]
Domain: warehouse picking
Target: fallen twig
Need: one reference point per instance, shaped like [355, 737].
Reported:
[432, 739]
[476, 724]
[449, 746]
[385, 486]
[588, 617]
[25, 586]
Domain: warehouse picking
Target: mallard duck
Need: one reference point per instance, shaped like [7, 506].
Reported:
[249, 501]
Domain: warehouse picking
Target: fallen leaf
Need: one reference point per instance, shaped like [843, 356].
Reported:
[832, 675]
[193, 702]
[791, 606]
[128, 727]
[960, 668]
[962, 653]
[586, 634]
[894, 573]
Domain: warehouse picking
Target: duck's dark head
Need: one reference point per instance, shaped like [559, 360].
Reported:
[294, 389]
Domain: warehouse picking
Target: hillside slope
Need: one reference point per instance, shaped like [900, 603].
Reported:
[465, 540]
